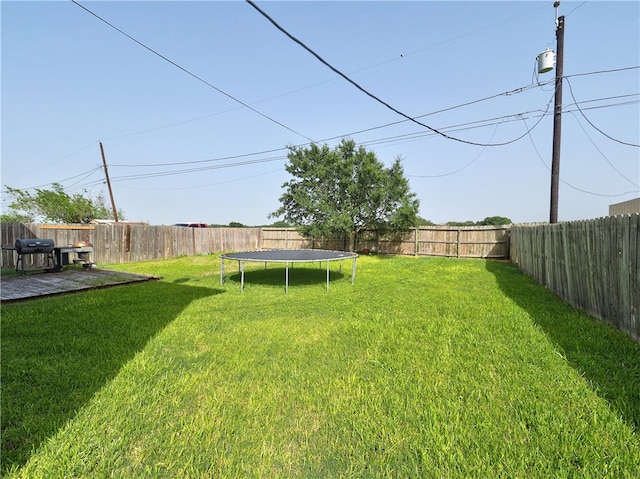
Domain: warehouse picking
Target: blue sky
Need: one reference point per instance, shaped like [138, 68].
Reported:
[202, 134]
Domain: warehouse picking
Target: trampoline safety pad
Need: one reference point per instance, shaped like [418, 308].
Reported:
[288, 256]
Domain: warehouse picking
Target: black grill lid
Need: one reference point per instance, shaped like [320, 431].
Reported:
[34, 245]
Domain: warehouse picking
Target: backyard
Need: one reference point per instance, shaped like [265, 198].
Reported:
[424, 367]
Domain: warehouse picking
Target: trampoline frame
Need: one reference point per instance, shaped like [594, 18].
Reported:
[288, 256]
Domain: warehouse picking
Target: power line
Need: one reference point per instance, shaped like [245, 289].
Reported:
[602, 154]
[282, 157]
[366, 92]
[386, 125]
[599, 72]
[190, 187]
[563, 181]
[445, 41]
[510, 92]
[594, 126]
[494, 121]
[91, 172]
[196, 170]
[616, 97]
[464, 167]
[472, 102]
[459, 127]
[84, 174]
[585, 1]
[506, 93]
[176, 163]
[476, 124]
[518, 90]
[202, 80]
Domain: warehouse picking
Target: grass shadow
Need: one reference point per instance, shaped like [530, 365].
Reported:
[298, 276]
[58, 352]
[608, 358]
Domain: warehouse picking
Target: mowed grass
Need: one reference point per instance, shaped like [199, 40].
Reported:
[425, 367]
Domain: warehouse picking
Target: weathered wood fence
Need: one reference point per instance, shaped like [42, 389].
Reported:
[122, 243]
[593, 265]
[459, 242]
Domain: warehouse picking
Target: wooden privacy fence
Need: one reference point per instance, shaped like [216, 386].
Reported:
[591, 264]
[459, 242]
[451, 241]
[122, 243]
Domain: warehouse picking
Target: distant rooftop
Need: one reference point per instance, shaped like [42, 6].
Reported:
[625, 207]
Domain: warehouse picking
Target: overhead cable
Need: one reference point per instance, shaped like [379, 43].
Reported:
[202, 80]
[602, 154]
[463, 167]
[84, 174]
[191, 187]
[195, 170]
[368, 93]
[599, 72]
[221, 158]
[459, 127]
[494, 121]
[594, 126]
[563, 181]
[513, 91]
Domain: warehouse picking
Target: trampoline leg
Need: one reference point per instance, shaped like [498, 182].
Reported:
[327, 276]
[286, 279]
[353, 270]
[242, 276]
[221, 271]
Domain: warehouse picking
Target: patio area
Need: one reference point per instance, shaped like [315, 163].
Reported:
[37, 284]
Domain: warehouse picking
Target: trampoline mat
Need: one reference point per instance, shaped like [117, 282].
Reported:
[291, 255]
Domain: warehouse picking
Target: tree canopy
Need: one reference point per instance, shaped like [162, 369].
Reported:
[488, 221]
[56, 205]
[342, 191]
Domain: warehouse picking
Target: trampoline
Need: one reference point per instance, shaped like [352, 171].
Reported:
[288, 256]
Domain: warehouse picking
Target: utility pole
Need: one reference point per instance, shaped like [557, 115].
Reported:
[106, 174]
[557, 117]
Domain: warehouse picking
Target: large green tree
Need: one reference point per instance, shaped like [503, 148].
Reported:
[342, 191]
[57, 206]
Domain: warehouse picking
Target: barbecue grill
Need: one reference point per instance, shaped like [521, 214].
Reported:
[33, 246]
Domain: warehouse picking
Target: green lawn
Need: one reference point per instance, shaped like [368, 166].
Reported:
[425, 367]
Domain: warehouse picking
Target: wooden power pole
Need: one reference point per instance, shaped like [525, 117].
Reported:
[557, 119]
[106, 174]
